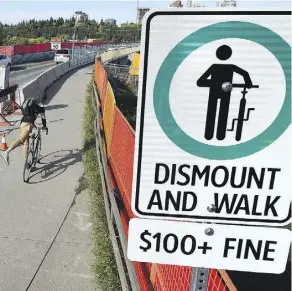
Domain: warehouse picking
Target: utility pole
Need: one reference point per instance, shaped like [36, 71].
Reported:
[74, 37]
[137, 11]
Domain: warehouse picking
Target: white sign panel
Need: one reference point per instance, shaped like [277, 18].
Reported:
[213, 120]
[238, 248]
[56, 46]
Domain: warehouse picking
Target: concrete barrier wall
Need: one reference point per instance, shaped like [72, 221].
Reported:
[36, 57]
[37, 87]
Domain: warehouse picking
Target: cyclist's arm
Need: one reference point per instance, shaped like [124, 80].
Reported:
[203, 80]
[44, 120]
[42, 113]
[244, 74]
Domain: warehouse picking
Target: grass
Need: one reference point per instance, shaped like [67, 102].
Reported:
[103, 266]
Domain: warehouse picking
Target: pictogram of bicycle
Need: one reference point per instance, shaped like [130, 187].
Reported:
[228, 87]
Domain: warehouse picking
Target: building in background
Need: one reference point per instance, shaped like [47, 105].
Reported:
[141, 11]
[226, 3]
[176, 4]
[111, 21]
[80, 16]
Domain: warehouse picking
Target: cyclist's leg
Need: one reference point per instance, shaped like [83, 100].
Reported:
[18, 141]
[15, 143]
[28, 130]
[223, 118]
[25, 130]
[25, 148]
[211, 117]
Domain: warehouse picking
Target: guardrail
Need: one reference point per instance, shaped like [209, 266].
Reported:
[112, 209]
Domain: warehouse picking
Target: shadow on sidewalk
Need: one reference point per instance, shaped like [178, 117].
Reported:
[57, 106]
[18, 68]
[53, 165]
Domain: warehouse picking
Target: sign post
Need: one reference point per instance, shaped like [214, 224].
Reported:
[214, 132]
[199, 280]
[56, 43]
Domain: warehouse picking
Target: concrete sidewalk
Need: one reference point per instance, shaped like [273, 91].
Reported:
[45, 225]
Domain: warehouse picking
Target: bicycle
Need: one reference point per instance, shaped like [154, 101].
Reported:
[35, 144]
[227, 87]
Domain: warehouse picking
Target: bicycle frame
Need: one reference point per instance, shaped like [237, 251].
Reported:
[241, 113]
[34, 150]
[34, 138]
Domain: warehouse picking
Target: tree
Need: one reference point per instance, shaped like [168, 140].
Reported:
[3, 34]
[35, 31]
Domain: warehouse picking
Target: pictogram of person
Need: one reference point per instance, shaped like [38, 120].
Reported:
[220, 74]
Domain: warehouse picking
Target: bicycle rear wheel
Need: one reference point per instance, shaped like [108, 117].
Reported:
[28, 166]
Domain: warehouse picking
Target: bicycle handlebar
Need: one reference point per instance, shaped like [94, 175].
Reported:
[243, 86]
[40, 128]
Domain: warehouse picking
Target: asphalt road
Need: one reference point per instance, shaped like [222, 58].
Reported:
[45, 226]
[23, 74]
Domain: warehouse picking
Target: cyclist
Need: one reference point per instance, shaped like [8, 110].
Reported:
[220, 73]
[31, 108]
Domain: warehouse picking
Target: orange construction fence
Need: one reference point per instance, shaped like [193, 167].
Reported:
[120, 142]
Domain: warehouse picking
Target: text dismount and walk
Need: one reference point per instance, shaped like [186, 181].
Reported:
[214, 117]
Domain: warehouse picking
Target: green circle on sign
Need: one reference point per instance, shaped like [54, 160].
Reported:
[232, 29]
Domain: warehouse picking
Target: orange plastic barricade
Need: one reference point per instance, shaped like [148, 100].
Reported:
[100, 78]
[108, 116]
[122, 156]
[219, 280]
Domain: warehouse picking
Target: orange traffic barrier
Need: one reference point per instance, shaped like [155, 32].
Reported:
[4, 146]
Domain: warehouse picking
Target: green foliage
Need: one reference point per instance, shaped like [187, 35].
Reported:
[32, 31]
[2, 34]
[103, 265]
[21, 40]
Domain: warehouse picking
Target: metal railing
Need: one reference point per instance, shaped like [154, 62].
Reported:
[117, 71]
[112, 210]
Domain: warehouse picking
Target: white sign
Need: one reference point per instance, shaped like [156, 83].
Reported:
[213, 120]
[56, 46]
[238, 248]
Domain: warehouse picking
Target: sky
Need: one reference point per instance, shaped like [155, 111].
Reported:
[122, 11]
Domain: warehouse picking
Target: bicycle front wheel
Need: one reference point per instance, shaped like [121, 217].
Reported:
[28, 166]
[38, 151]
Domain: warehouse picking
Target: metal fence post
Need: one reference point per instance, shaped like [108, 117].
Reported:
[199, 280]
